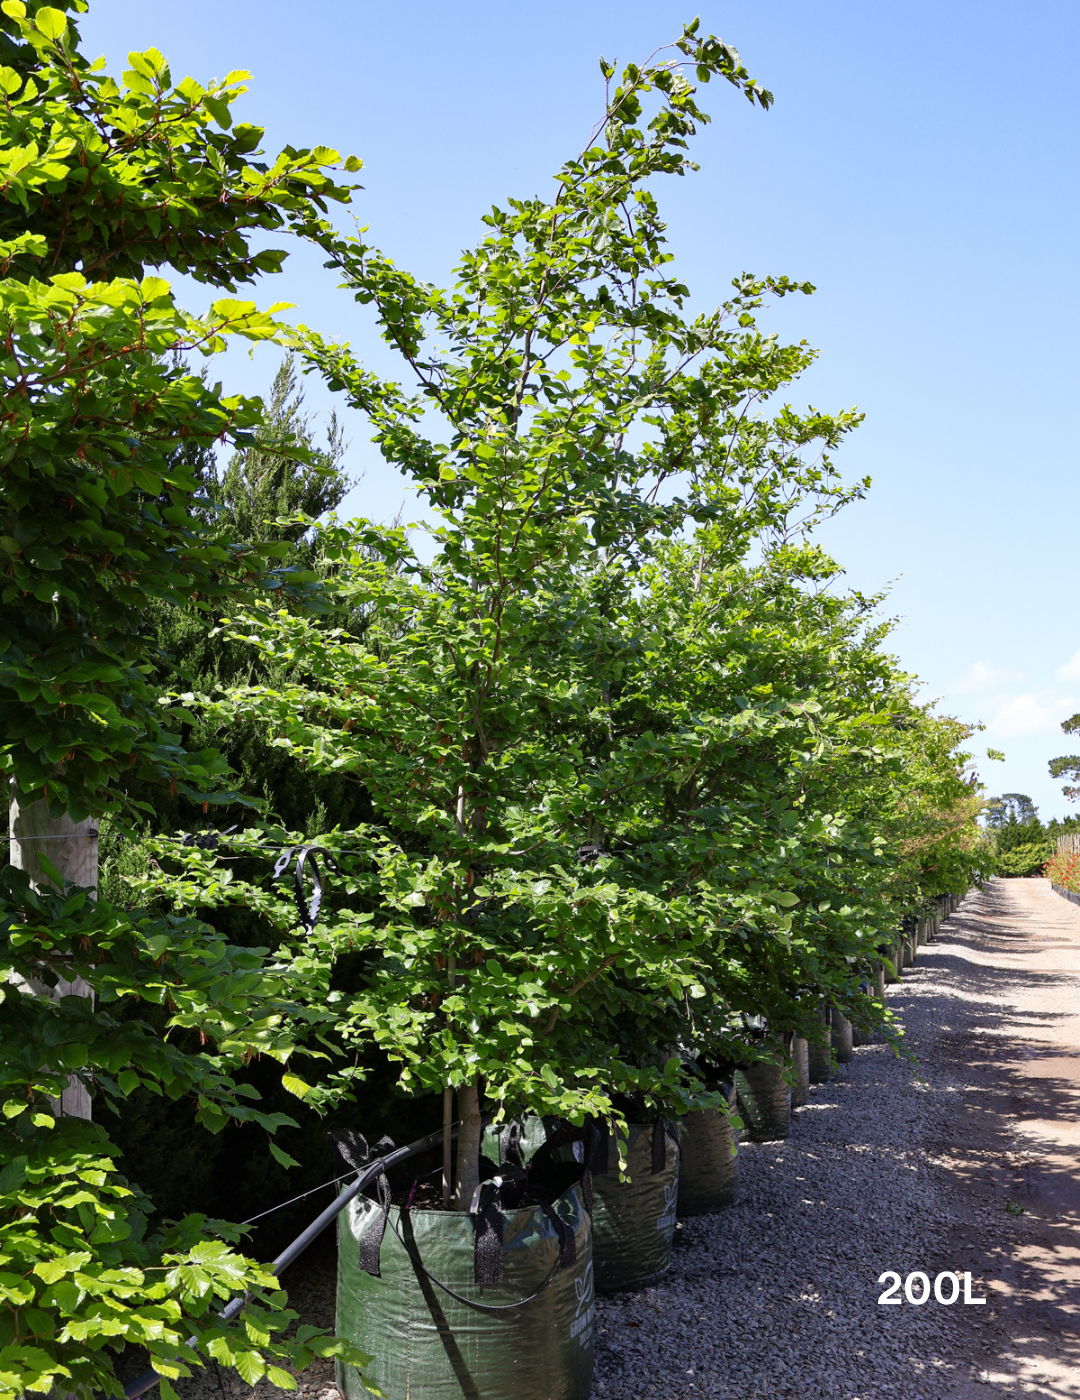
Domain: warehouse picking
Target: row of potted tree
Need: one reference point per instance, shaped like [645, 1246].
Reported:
[645, 788]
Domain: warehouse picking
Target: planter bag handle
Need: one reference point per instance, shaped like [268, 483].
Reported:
[308, 913]
[354, 1148]
[370, 1245]
[662, 1130]
[488, 1222]
[510, 1154]
[593, 1137]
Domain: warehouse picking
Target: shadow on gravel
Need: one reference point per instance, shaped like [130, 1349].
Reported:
[1008, 1133]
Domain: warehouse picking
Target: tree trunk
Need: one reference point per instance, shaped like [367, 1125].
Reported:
[72, 847]
[470, 1129]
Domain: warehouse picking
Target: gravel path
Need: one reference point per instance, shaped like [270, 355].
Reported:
[975, 1167]
[778, 1295]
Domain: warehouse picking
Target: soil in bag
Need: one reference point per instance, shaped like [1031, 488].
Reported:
[764, 1097]
[491, 1304]
[708, 1166]
[634, 1220]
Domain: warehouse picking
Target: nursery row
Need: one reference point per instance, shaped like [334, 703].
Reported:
[501, 1304]
[576, 806]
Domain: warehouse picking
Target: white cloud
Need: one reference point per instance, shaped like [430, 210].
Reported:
[1071, 670]
[982, 677]
[1040, 713]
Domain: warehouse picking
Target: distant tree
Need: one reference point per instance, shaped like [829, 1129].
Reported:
[264, 483]
[1068, 766]
[1022, 847]
[1016, 832]
[265, 494]
[1011, 807]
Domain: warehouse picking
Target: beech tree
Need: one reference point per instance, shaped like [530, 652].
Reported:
[507, 901]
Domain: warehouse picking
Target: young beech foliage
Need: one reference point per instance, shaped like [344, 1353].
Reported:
[99, 511]
[624, 781]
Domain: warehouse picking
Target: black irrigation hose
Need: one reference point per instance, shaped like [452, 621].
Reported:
[149, 1379]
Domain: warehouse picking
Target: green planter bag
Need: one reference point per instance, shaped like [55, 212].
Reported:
[821, 1061]
[841, 1034]
[861, 1037]
[634, 1221]
[764, 1097]
[876, 989]
[708, 1166]
[491, 1304]
[800, 1063]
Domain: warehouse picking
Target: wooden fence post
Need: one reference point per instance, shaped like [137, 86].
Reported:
[72, 847]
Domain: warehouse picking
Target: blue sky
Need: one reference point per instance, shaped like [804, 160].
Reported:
[919, 167]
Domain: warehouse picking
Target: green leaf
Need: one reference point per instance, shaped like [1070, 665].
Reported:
[251, 1367]
[51, 871]
[15, 1289]
[219, 110]
[52, 23]
[53, 1270]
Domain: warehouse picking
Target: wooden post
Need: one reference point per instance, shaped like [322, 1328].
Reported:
[447, 1127]
[72, 847]
[448, 1107]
